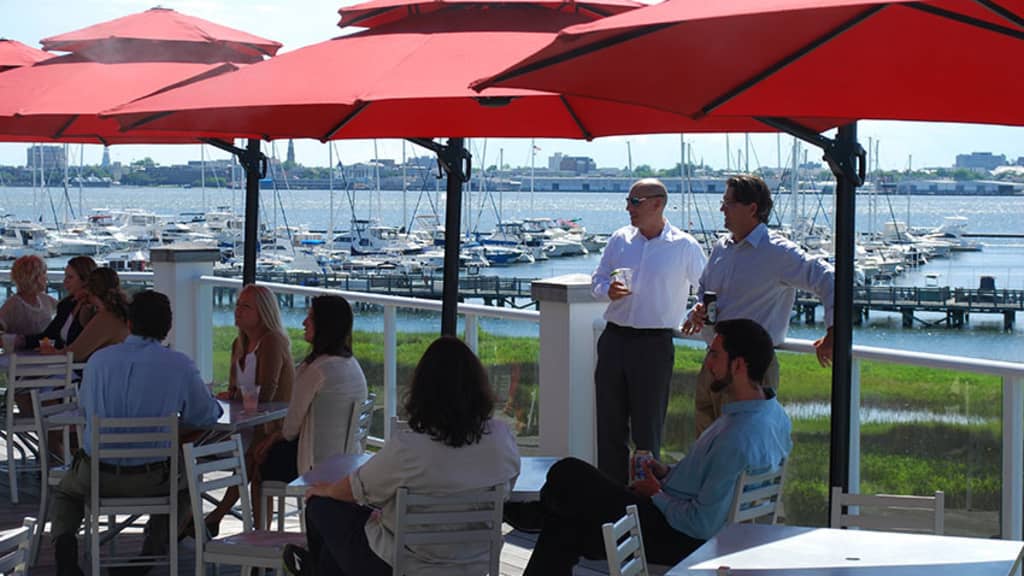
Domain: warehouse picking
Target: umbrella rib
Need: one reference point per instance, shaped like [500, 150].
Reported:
[971, 21]
[146, 120]
[571, 54]
[771, 70]
[576, 119]
[351, 116]
[65, 126]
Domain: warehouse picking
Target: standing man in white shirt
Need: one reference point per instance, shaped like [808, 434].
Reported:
[755, 274]
[635, 353]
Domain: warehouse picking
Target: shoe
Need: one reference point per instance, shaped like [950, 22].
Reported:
[212, 528]
[296, 560]
[524, 516]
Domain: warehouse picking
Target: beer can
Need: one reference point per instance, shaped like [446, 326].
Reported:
[636, 464]
[711, 307]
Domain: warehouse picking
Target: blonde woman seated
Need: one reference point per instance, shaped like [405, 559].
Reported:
[327, 384]
[30, 309]
[450, 444]
[109, 324]
[261, 358]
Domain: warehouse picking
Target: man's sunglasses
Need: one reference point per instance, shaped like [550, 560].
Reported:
[638, 200]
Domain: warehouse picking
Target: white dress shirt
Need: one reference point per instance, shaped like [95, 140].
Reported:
[664, 268]
[757, 278]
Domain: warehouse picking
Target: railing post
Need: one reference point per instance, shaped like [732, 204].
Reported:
[854, 427]
[1012, 509]
[390, 366]
[176, 271]
[472, 336]
[568, 353]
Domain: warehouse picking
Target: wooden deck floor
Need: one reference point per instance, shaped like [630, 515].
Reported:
[514, 556]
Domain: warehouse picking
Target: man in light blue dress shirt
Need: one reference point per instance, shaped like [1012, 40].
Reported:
[682, 506]
[138, 378]
[755, 274]
[635, 353]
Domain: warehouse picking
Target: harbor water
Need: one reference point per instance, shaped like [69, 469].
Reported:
[982, 337]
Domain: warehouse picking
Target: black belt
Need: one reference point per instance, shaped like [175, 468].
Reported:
[135, 469]
[638, 331]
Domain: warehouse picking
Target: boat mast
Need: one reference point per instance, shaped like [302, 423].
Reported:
[533, 157]
[202, 173]
[330, 188]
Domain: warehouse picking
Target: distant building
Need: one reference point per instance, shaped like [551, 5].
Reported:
[1020, 161]
[980, 161]
[106, 157]
[50, 156]
[577, 165]
[291, 152]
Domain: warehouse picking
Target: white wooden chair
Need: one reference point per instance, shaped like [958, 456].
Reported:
[272, 491]
[218, 466]
[624, 545]
[144, 438]
[24, 373]
[757, 495]
[15, 548]
[47, 407]
[454, 520]
[892, 513]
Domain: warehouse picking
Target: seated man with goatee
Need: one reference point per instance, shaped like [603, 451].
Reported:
[680, 506]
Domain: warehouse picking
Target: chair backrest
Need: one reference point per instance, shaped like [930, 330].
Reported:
[757, 495]
[148, 439]
[31, 371]
[888, 512]
[15, 546]
[452, 520]
[359, 424]
[47, 404]
[624, 545]
[214, 467]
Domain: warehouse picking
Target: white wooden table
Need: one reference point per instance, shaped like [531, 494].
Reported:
[766, 550]
[533, 472]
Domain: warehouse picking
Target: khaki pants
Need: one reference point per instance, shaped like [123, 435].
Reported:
[72, 494]
[708, 404]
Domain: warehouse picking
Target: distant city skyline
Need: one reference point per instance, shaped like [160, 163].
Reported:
[902, 144]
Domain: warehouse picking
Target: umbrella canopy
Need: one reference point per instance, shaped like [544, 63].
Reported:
[940, 60]
[14, 54]
[48, 101]
[113, 63]
[149, 34]
[409, 77]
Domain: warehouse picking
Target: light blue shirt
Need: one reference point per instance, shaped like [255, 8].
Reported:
[757, 278]
[140, 378]
[697, 493]
[664, 269]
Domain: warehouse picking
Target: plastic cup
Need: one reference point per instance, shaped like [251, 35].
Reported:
[250, 399]
[8, 341]
[623, 276]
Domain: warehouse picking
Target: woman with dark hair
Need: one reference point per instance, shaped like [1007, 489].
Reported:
[449, 444]
[73, 312]
[328, 382]
[109, 325]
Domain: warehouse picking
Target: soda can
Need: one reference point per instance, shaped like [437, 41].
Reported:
[637, 464]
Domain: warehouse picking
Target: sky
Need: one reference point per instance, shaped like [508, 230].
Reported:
[297, 23]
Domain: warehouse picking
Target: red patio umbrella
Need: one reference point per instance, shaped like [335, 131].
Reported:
[113, 63]
[937, 60]
[14, 54]
[934, 60]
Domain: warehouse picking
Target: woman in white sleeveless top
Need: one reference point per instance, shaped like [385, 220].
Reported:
[30, 309]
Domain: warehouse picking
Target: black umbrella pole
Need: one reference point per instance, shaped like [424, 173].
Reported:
[251, 163]
[847, 152]
[452, 238]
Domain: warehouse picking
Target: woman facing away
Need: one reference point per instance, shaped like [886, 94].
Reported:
[73, 312]
[260, 357]
[109, 324]
[30, 309]
[327, 385]
[449, 444]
